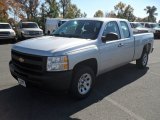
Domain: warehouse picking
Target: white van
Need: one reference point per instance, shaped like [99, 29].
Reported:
[51, 24]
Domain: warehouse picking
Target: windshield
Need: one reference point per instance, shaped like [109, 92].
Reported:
[61, 22]
[137, 25]
[29, 25]
[5, 26]
[86, 29]
[153, 25]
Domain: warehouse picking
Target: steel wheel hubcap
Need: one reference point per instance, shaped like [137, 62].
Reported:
[84, 83]
[145, 59]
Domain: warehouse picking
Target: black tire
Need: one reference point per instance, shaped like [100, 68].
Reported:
[81, 88]
[142, 62]
[14, 40]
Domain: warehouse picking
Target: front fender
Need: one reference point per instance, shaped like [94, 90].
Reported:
[82, 54]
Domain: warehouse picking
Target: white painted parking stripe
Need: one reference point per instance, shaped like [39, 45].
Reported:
[132, 114]
[155, 73]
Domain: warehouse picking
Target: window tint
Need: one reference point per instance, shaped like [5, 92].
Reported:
[111, 27]
[147, 25]
[125, 29]
[5, 26]
[86, 29]
[29, 25]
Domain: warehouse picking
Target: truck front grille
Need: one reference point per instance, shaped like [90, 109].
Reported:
[33, 32]
[28, 63]
[4, 33]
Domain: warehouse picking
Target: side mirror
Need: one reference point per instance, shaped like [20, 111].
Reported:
[40, 27]
[110, 36]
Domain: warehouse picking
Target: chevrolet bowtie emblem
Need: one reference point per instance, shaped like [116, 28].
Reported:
[21, 60]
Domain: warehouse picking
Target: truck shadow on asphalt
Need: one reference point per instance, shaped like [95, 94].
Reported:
[18, 103]
[6, 42]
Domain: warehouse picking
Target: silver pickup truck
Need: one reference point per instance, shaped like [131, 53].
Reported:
[77, 52]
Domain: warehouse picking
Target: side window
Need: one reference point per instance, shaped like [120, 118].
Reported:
[111, 27]
[125, 29]
[147, 25]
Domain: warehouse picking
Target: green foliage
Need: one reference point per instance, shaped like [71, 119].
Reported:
[65, 6]
[99, 13]
[74, 12]
[53, 8]
[124, 11]
[152, 13]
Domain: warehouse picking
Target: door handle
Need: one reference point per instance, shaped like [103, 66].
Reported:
[120, 45]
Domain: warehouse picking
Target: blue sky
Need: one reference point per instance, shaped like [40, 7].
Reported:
[90, 7]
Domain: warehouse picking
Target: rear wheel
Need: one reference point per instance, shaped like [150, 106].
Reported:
[142, 62]
[82, 82]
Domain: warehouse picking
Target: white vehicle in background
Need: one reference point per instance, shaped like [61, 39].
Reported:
[51, 24]
[154, 28]
[27, 30]
[149, 26]
[138, 28]
[61, 22]
[6, 32]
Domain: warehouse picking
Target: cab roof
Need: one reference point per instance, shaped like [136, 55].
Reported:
[101, 19]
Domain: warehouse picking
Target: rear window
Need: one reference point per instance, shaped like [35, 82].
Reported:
[5, 26]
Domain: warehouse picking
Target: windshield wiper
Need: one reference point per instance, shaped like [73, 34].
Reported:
[59, 35]
[73, 36]
[67, 35]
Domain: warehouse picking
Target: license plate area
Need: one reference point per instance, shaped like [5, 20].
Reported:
[21, 82]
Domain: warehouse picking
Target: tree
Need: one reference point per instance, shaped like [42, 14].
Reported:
[43, 14]
[99, 13]
[3, 10]
[74, 12]
[29, 8]
[128, 13]
[64, 4]
[84, 15]
[124, 11]
[53, 8]
[120, 8]
[152, 13]
[111, 14]
[16, 9]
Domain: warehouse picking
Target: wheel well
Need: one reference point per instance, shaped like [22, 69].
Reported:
[147, 47]
[92, 63]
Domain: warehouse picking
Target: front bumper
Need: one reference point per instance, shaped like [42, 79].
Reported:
[32, 36]
[51, 80]
[7, 37]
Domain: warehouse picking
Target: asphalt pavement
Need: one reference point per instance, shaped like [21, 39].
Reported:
[126, 93]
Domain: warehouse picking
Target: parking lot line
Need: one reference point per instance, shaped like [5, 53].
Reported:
[154, 73]
[126, 110]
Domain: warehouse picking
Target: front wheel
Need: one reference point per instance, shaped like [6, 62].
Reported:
[82, 82]
[142, 62]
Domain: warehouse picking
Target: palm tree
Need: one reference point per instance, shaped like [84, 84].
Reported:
[152, 13]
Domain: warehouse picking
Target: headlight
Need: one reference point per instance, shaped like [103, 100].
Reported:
[57, 63]
[25, 32]
[40, 32]
[12, 33]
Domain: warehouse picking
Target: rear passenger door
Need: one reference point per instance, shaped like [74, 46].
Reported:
[127, 43]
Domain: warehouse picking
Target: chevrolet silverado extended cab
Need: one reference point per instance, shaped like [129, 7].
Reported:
[77, 52]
